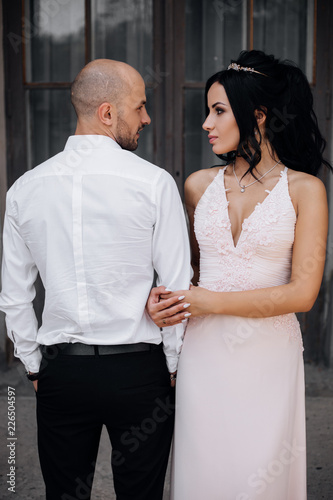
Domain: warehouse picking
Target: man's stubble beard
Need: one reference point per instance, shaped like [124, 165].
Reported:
[123, 136]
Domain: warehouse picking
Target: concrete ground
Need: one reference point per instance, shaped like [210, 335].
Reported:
[29, 484]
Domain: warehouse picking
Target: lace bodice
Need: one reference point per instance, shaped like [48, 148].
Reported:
[262, 256]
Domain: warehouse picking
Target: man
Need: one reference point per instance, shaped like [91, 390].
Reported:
[96, 221]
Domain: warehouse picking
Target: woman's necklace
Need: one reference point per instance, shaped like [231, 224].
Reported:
[242, 186]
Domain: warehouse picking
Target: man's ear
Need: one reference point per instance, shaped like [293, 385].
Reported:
[105, 113]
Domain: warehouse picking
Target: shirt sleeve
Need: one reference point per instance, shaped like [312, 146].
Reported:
[171, 256]
[19, 274]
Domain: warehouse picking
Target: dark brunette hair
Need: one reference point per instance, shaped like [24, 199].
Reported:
[283, 93]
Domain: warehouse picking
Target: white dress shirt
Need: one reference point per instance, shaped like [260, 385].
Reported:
[95, 221]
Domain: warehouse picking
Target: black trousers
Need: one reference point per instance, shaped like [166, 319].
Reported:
[128, 393]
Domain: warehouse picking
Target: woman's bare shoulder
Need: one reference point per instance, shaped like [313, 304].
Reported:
[305, 190]
[197, 183]
[304, 184]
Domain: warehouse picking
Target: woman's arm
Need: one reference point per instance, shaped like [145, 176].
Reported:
[195, 186]
[192, 197]
[307, 270]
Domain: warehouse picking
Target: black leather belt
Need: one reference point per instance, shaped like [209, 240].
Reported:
[78, 349]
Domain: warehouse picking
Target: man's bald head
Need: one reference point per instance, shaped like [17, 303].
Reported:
[102, 80]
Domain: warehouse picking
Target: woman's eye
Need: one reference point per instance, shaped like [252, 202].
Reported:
[219, 111]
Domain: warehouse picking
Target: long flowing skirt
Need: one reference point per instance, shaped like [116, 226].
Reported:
[240, 412]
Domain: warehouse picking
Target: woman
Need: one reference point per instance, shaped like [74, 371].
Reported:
[258, 231]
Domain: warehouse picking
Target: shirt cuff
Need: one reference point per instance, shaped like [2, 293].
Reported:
[32, 361]
[172, 363]
[172, 344]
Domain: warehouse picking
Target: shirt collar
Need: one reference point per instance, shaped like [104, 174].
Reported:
[91, 142]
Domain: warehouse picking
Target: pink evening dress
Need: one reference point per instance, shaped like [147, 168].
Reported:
[240, 406]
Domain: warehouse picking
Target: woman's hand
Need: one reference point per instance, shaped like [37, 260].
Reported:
[166, 308]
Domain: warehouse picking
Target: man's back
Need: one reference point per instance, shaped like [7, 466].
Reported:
[96, 221]
[88, 217]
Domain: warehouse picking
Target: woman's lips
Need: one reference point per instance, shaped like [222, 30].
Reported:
[212, 138]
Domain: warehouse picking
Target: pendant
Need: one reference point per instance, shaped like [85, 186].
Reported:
[242, 189]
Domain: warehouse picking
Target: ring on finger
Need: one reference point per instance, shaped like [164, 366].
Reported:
[164, 322]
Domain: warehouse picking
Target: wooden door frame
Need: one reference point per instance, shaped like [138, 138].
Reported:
[16, 86]
[317, 324]
[15, 107]
[168, 123]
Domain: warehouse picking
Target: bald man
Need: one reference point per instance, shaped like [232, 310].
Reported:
[97, 222]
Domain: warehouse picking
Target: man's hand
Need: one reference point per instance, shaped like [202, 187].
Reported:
[35, 382]
[173, 377]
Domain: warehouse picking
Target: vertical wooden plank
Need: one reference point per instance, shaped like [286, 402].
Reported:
[87, 29]
[16, 150]
[159, 63]
[15, 98]
[179, 97]
[3, 159]
[317, 324]
[169, 89]
[250, 24]
[3, 169]
[315, 25]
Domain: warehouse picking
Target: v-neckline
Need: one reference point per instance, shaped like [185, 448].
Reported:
[259, 204]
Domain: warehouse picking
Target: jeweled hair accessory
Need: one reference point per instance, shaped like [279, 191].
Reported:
[238, 67]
